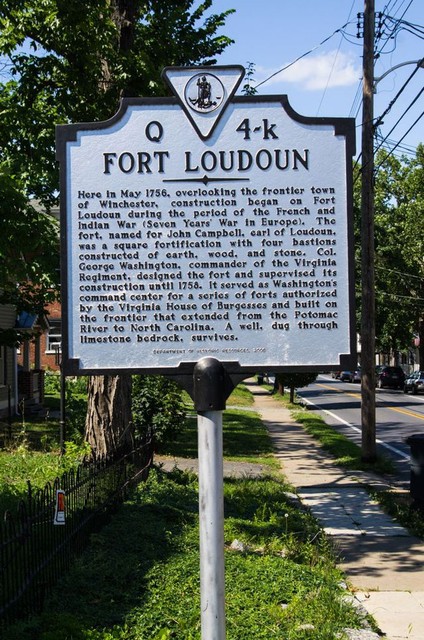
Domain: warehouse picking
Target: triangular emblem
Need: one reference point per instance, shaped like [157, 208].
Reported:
[204, 92]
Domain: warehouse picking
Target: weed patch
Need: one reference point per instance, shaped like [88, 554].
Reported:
[244, 438]
[140, 577]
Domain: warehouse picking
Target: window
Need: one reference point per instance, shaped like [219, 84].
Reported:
[54, 336]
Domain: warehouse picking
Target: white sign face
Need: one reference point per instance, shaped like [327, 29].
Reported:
[234, 246]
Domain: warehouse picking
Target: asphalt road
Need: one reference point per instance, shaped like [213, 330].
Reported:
[397, 416]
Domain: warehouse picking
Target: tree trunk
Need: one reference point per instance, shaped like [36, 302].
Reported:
[108, 424]
[292, 395]
[278, 385]
[368, 415]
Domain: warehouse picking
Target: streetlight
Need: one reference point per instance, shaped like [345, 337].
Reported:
[419, 63]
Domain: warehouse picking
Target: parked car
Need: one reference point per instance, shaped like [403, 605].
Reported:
[350, 376]
[392, 377]
[356, 375]
[414, 383]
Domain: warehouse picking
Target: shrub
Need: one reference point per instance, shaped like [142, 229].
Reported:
[294, 380]
[158, 407]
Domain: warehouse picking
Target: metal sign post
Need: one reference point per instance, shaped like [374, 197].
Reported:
[209, 395]
[211, 523]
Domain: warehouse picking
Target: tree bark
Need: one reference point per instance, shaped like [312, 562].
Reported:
[368, 416]
[278, 385]
[108, 426]
[108, 423]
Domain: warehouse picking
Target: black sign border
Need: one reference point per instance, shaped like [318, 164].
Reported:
[67, 133]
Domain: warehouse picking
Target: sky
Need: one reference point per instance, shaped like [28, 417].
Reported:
[326, 81]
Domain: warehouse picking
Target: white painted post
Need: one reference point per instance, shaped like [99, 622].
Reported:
[211, 513]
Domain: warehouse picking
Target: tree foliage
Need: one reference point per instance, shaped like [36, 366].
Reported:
[248, 88]
[399, 251]
[157, 407]
[71, 61]
[29, 257]
[294, 380]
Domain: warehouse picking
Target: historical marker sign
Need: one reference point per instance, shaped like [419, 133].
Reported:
[207, 225]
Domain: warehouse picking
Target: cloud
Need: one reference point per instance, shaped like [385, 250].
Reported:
[315, 73]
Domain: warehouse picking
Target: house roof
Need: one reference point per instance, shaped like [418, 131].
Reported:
[28, 321]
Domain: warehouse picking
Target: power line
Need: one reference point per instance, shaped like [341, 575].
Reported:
[396, 144]
[401, 273]
[397, 295]
[357, 101]
[411, 27]
[402, 116]
[307, 53]
[404, 136]
[334, 61]
[403, 148]
[397, 24]
[384, 140]
[392, 102]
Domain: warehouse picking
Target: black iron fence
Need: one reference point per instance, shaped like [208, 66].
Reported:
[53, 524]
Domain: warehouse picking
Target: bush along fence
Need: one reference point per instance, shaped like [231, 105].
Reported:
[53, 524]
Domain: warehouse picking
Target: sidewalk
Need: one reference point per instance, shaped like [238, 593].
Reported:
[381, 561]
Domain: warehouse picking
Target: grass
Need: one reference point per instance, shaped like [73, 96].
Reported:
[399, 507]
[30, 451]
[240, 397]
[20, 464]
[38, 434]
[139, 579]
[30, 446]
[347, 454]
[244, 439]
[244, 436]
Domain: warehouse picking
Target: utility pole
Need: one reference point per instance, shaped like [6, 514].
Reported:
[368, 421]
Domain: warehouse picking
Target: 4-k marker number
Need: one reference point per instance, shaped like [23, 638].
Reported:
[268, 129]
